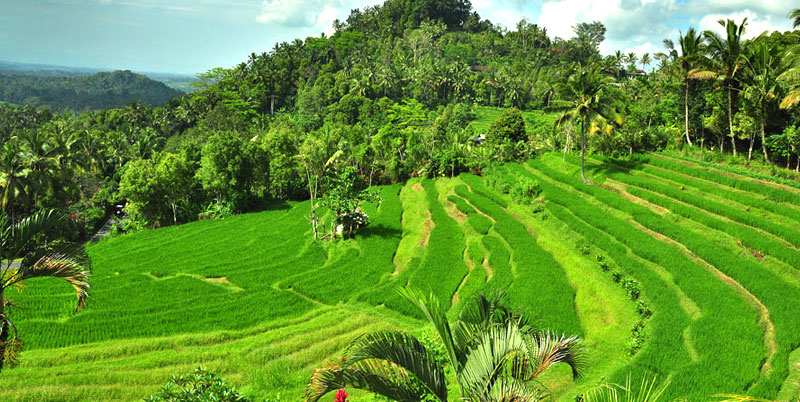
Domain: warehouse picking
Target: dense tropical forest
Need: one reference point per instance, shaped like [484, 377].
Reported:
[82, 93]
[632, 216]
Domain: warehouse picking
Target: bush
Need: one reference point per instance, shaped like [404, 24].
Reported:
[200, 386]
[218, 209]
[509, 127]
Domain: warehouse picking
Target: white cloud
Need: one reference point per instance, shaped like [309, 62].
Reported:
[317, 14]
[506, 13]
[756, 24]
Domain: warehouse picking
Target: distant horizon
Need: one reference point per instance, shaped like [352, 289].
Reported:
[93, 69]
[187, 37]
[89, 69]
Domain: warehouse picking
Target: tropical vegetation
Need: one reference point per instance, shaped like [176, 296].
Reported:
[269, 216]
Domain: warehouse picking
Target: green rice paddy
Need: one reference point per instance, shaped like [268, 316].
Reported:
[714, 254]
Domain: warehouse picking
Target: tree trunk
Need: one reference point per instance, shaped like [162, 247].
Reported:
[312, 193]
[750, 151]
[764, 136]
[583, 150]
[4, 329]
[686, 113]
[730, 120]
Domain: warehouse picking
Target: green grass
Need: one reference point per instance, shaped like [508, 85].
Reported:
[253, 298]
[779, 297]
[723, 311]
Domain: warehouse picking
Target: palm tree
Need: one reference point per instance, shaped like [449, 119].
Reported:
[15, 178]
[791, 77]
[495, 355]
[764, 64]
[645, 61]
[631, 59]
[587, 100]
[727, 55]
[15, 240]
[687, 65]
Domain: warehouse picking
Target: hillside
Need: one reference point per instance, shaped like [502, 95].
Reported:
[103, 90]
[711, 254]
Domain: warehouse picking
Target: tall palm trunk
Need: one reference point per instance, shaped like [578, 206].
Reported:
[730, 120]
[4, 329]
[686, 112]
[750, 150]
[583, 150]
[763, 136]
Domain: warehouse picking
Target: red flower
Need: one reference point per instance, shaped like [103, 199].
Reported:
[341, 396]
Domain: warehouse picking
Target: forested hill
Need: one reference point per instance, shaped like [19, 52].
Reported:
[105, 90]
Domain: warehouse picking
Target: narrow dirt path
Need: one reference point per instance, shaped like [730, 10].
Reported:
[764, 321]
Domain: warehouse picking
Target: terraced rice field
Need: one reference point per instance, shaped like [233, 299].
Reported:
[664, 266]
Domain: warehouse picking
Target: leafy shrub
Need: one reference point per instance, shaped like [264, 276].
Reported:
[218, 209]
[509, 127]
[525, 190]
[631, 287]
[643, 309]
[637, 338]
[201, 386]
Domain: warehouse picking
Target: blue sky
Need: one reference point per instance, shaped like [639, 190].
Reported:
[191, 36]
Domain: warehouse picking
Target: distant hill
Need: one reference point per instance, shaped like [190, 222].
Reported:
[71, 90]
[181, 82]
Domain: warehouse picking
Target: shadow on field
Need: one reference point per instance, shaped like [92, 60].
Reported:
[384, 232]
[272, 205]
[613, 165]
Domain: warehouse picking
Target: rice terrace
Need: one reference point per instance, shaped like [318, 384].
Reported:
[419, 205]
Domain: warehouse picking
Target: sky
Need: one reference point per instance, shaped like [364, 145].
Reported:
[193, 36]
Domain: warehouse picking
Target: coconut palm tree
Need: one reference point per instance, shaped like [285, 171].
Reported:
[586, 99]
[791, 77]
[16, 240]
[764, 64]
[494, 353]
[687, 65]
[728, 57]
[15, 178]
[645, 61]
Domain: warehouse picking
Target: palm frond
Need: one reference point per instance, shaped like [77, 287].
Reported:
[791, 99]
[700, 74]
[376, 376]
[795, 16]
[548, 349]
[509, 389]
[58, 266]
[484, 307]
[23, 231]
[403, 350]
[435, 313]
[647, 391]
[491, 358]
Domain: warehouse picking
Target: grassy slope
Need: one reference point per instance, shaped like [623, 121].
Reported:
[740, 266]
[252, 298]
